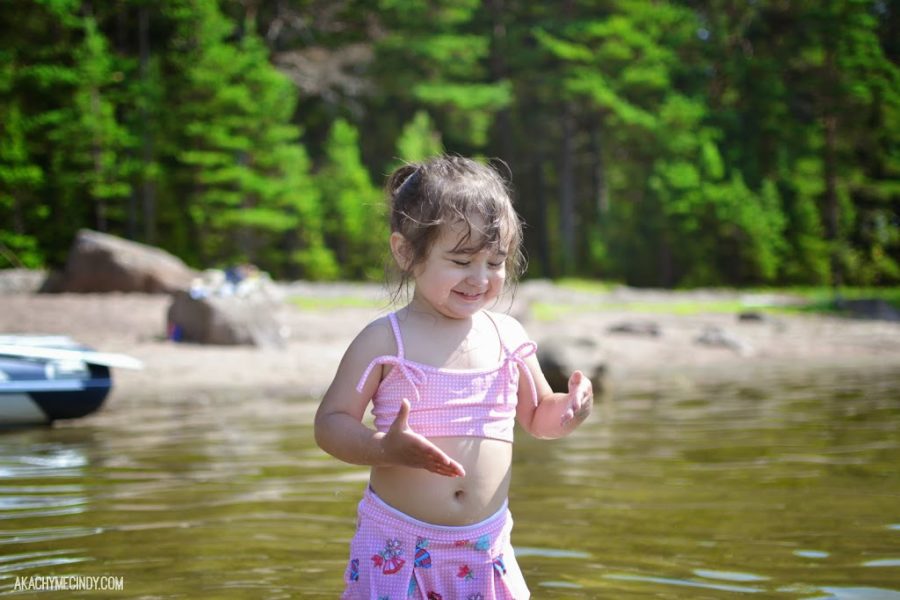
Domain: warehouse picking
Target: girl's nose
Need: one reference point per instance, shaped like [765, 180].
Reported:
[479, 274]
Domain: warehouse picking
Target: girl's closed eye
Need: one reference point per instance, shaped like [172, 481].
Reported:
[466, 263]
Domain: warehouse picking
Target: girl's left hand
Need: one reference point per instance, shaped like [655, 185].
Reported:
[580, 399]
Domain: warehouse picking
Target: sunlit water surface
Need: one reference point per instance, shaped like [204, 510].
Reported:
[783, 487]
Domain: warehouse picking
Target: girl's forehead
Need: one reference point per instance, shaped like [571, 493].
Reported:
[470, 237]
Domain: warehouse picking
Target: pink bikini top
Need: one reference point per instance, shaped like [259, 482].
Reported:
[451, 402]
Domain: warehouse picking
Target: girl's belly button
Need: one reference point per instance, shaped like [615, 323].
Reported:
[459, 495]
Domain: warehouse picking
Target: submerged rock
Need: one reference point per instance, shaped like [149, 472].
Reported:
[561, 356]
[646, 328]
[717, 337]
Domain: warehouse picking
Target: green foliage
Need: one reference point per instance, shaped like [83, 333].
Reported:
[664, 143]
[90, 140]
[355, 219]
[419, 140]
[19, 178]
[435, 53]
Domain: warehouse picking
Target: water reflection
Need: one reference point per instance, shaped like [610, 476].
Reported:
[780, 487]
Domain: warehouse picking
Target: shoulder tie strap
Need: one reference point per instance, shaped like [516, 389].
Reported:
[396, 327]
[413, 374]
[517, 358]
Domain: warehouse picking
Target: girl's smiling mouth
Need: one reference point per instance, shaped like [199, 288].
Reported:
[469, 295]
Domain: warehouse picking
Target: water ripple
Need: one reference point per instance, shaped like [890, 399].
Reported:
[48, 534]
[209, 496]
[684, 583]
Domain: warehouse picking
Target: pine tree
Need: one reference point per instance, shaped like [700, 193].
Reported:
[436, 54]
[239, 151]
[418, 140]
[92, 135]
[46, 53]
[355, 221]
[19, 179]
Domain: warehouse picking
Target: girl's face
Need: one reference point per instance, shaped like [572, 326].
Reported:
[458, 283]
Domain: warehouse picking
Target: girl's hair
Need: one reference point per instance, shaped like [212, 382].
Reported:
[447, 190]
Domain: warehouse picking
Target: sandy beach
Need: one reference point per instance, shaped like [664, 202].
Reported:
[326, 317]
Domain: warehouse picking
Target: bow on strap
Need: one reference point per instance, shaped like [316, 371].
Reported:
[413, 374]
[517, 359]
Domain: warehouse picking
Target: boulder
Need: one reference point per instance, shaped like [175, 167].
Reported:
[751, 316]
[870, 308]
[20, 281]
[645, 328]
[224, 320]
[99, 262]
[559, 357]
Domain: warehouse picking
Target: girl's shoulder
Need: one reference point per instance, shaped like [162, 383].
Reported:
[375, 339]
[511, 330]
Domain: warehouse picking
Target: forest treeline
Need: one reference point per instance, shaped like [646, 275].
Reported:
[674, 143]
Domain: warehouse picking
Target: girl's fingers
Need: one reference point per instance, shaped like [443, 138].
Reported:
[419, 451]
[444, 465]
[580, 393]
[575, 380]
[435, 460]
[401, 421]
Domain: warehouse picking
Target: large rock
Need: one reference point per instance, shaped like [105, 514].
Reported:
[870, 308]
[99, 262]
[224, 320]
[21, 281]
[560, 356]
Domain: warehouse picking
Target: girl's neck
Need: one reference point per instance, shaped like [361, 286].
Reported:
[457, 343]
[421, 307]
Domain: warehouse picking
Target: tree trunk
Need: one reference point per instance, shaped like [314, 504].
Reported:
[601, 190]
[148, 189]
[97, 157]
[131, 208]
[543, 229]
[499, 72]
[567, 192]
[832, 207]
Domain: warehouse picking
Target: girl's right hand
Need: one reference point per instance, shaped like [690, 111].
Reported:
[403, 446]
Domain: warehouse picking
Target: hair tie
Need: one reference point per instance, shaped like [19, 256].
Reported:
[407, 180]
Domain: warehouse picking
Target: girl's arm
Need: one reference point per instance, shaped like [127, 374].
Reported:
[338, 423]
[557, 414]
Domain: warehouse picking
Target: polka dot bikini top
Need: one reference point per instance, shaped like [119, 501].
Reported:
[451, 402]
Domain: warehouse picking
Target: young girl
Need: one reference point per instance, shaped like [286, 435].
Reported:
[446, 379]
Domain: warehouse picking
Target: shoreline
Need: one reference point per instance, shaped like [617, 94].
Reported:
[332, 314]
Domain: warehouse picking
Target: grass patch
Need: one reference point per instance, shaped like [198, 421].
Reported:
[550, 311]
[586, 285]
[819, 299]
[822, 299]
[330, 302]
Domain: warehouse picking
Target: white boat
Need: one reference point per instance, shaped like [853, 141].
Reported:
[44, 378]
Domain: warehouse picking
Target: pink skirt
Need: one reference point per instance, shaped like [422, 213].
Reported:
[395, 556]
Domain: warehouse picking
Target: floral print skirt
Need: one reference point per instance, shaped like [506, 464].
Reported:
[394, 556]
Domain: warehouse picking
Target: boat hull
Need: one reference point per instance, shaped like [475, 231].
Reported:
[35, 391]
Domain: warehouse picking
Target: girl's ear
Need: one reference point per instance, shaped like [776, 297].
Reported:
[401, 251]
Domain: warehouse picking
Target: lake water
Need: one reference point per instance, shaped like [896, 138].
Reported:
[778, 486]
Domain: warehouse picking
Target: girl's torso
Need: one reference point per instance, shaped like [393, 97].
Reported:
[451, 500]
[453, 355]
